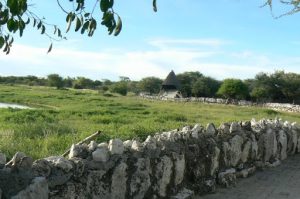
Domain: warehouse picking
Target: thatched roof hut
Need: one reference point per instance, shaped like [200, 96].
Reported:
[171, 82]
[170, 87]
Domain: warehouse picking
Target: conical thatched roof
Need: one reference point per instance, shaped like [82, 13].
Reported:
[171, 80]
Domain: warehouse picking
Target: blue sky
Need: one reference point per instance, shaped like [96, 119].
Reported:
[222, 39]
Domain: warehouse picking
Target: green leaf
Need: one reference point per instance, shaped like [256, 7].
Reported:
[50, 48]
[118, 27]
[78, 24]
[39, 25]
[104, 5]
[43, 29]
[4, 16]
[2, 41]
[154, 6]
[11, 25]
[13, 6]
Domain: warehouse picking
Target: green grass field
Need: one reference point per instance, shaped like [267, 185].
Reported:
[63, 117]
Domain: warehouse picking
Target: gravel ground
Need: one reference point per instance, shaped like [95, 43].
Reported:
[282, 182]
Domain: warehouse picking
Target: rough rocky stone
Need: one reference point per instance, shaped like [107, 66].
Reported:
[282, 140]
[211, 129]
[215, 161]
[150, 143]
[92, 146]
[227, 178]
[103, 145]
[235, 150]
[246, 152]
[116, 146]
[136, 146]
[60, 162]
[100, 155]
[184, 194]
[127, 144]
[163, 174]
[97, 186]
[224, 128]
[78, 151]
[119, 179]
[196, 130]
[179, 168]
[38, 189]
[235, 127]
[140, 180]
[42, 168]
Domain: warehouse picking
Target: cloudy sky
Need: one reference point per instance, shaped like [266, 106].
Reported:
[224, 38]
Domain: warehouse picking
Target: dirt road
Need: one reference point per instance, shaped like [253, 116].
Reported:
[282, 182]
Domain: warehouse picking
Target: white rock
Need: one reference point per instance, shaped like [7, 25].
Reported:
[215, 161]
[150, 143]
[116, 146]
[74, 151]
[127, 143]
[235, 127]
[60, 162]
[92, 146]
[38, 189]
[245, 152]
[283, 145]
[210, 129]
[103, 145]
[136, 146]
[100, 155]
[163, 175]
[119, 179]
[196, 130]
[179, 165]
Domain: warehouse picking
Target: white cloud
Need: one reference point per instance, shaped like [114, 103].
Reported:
[210, 57]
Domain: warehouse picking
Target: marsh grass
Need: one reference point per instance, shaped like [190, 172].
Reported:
[63, 117]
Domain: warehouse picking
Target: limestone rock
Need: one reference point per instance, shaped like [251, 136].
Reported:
[92, 146]
[38, 189]
[140, 180]
[210, 129]
[235, 150]
[78, 151]
[196, 130]
[227, 178]
[163, 175]
[60, 162]
[96, 186]
[224, 128]
[235, 127]
[127, 144]
[100, 155]
[282, 140]
[103, 145]
[119, 179]
[150, 143]
[116, 146]
[215, 161]
[136, 146]
[184, 194]
[179, 166]
[246, 152]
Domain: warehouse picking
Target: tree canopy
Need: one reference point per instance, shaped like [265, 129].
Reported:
[16, 15]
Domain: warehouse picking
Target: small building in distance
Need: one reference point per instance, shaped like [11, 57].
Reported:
[170, 87]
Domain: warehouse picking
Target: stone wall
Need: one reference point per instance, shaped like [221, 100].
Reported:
[171, 164]
[275, 106]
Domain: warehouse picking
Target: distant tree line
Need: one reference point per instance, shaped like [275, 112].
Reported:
[275, 87]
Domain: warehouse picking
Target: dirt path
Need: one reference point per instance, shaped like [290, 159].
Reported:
[282, 182]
